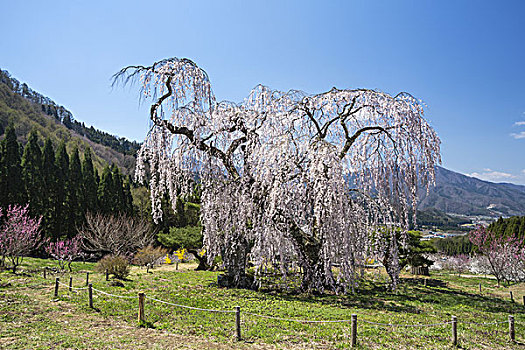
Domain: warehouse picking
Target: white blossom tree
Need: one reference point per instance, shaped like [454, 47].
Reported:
[290, 179]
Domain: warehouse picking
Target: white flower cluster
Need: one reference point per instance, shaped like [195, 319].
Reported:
[289, 179]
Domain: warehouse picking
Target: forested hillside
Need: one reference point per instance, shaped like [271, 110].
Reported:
[513, 226]
[59, 187]
[28, 110]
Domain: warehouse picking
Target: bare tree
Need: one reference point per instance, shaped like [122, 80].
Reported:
[288, 178]
[115, 234]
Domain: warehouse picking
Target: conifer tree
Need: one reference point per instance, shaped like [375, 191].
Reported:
[117, 189]
[32, 175]
[11, 185]
[62, 175]
[128, 199]
[89, 183]
[105, 191]
[74, 211]
[49, 178]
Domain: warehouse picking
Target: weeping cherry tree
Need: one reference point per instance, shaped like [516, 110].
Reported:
[289, 180]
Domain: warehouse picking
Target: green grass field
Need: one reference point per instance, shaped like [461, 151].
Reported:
[32, 318]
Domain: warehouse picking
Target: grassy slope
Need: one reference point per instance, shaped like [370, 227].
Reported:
[26, 116]
[32, 318]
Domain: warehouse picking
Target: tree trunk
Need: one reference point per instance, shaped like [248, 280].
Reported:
[315, 277]
[203, 264]
[235, 259]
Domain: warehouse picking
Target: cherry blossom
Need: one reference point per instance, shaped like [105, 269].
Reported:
[289, 179]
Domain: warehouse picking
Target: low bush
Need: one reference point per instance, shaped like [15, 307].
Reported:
[116, 265]
[149, 255]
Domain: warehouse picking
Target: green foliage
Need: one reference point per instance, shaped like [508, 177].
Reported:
[454, 245]
[437, 219]
[509, 227]
[32, 175]
[89, 183]
[189, 237]
[74, 195]
[116, 265]
[413, 253]
[11, 184]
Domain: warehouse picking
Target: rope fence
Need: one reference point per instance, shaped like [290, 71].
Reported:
[353, 321]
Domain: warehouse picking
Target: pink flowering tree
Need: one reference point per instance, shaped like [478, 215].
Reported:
[65, 251]
[288, 179]
[19, 234]
[505, 255]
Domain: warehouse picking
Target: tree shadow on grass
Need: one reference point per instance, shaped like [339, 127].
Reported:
[376, 296]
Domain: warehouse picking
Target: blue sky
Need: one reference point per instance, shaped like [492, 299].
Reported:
[465, 59]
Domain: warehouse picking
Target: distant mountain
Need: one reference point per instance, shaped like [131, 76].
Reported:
[461, 194]
[27, 109]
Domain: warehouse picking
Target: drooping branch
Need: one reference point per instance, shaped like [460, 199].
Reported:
[351, 139]
[294, 158]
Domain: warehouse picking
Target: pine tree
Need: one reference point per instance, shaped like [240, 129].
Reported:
[89, 184]
[32, 175]
[128, 199]
[49, 177]
[62, 175]
[105, 192]
[74, 212]
[118, 190]
[11, 185]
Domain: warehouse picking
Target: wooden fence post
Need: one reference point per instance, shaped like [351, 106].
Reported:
[511, 297]
[511, 328]
[480, 288]
[107, 275]
[238, 322]
[70, 283]
[454, 331]
[141, 317]
[524, 300]
[87, 278]
[45, 272]
[353, 340]
[56, 286]
[90, 293]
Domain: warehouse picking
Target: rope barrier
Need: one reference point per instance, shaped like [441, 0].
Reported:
[296, 320]
[113, 295]
[484, 323]
[76, 288]
[191, 307]
[278, 318]
[407, 325]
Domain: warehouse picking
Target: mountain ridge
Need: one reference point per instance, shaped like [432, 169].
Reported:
[465, 195]
[27, 110]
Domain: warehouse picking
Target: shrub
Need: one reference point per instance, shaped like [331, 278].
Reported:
[116, 265]
[182, 237]
[149, 255]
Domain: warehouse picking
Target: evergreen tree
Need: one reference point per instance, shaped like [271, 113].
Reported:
[128, 199]
[74, 213]
[11, 185]
[105, 192]
[62, 175]
[89, 184]
[118, 189]
[32, 175]
[49, 178]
